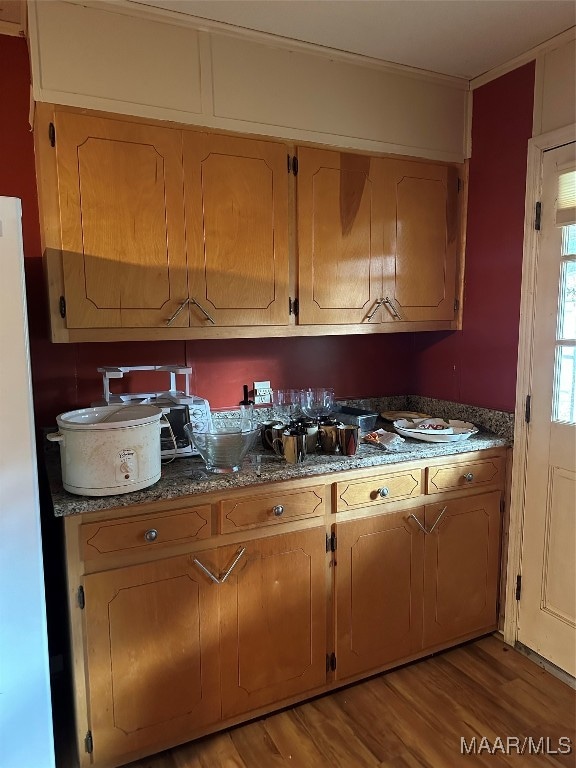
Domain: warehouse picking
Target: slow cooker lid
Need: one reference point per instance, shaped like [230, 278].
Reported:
[109, 417]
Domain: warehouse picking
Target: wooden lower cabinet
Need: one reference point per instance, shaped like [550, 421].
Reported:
[197, 630]
[379, 591]
[273, 621]
[461, 568]
[152, 655]
[410, 581]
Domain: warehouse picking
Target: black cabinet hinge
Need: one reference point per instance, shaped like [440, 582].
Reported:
[518, 586]
[295, 165]
[538, 216]
[62, 307]
[52, 134]
[332, 662]
[331, 542]
[289, 161]
[88, 743]
[456, 305]
[293, 306]
[80, 597]
[528, 409]
[460, 185]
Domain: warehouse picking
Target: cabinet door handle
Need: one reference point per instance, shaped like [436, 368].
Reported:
[151, 535]
[192, 300]
[377, 306]
[278, 510]
[393, 309]
[468, 477]
[208, 573]
[419, 523]
[180, 308]
[234, 563]
[383, 492]
[437, 520]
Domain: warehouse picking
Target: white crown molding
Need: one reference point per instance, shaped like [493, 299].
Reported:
[136, 9]
[555, 42]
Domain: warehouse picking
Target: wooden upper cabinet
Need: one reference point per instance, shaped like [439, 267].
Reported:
[339, 241]
[420, 221]
[377, 238]
[122, 222]
[236, 193]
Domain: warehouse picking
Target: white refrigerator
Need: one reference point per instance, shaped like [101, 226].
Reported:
[26, 735]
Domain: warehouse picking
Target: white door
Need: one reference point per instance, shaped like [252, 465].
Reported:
[547, 610]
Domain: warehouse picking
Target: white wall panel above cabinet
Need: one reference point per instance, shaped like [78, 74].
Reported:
[96, 58]
[374, 108]
[106, 57]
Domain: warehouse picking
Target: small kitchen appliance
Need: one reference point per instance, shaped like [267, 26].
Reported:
[179, 406]
[109, 449]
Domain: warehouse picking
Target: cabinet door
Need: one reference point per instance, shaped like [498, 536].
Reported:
[420, 203]
[152, 655]
[462, 564]
[273, 620]
[379, 591]
[237, 230]
[339, 239]
[122, 222]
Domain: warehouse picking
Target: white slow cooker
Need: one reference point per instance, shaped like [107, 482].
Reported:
[109, 449]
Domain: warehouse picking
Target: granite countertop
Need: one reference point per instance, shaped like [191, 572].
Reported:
[188, 477]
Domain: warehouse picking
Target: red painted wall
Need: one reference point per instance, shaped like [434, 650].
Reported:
[64, 375]
[478, 365]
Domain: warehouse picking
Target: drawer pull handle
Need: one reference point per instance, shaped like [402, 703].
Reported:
[383, 492]
[468, 477]
[278, 510]
[151, 535]
[209, 573]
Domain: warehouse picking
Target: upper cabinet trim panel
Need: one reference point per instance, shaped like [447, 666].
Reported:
[227, 81]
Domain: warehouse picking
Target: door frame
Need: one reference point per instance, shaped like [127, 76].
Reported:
[536, 148]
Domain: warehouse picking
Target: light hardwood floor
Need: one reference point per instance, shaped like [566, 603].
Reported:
[412, 717]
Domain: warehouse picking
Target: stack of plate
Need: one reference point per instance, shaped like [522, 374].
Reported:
[433, 430]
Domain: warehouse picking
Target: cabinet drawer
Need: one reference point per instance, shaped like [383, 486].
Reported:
[449, 477]
[109, 536]
[270, 508]
[389, 487]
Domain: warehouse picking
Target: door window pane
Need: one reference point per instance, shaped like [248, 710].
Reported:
[565, 389]
[567, 301]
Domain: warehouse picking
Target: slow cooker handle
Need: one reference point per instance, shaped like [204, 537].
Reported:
[55, 437]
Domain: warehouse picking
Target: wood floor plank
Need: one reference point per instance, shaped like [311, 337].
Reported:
[411, 717]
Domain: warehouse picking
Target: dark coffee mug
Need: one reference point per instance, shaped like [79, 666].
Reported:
[348, 439]
[266, 432]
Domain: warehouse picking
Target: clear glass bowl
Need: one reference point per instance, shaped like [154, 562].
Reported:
[227, 442]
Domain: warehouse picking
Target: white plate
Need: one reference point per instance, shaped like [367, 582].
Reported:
[419, 425]
[460, 430]
[395, 415]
